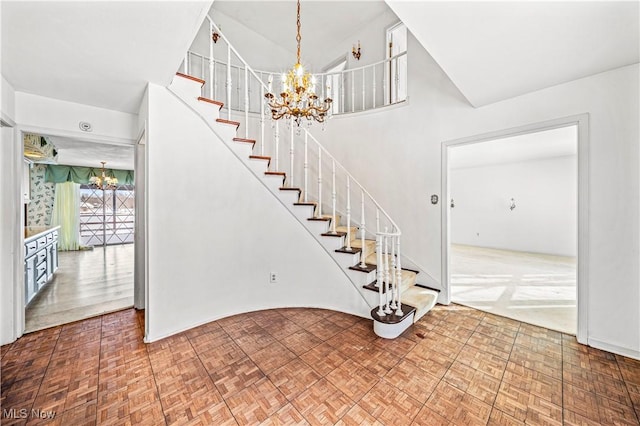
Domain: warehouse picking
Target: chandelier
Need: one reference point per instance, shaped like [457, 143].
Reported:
[103, 181]
[298, 99]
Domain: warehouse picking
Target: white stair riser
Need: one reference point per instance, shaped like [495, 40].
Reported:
[303, 213]
[274, 182]
[258, 166]
[288, 197]
[349, 259]
[331, 243]
[244, 150]
[186, 88]
[391, 331]
[208, 110]
[361, 278]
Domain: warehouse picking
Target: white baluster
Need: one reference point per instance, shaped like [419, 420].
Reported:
[261, 120]
[385, 260]
[228, 82]
[306, 166]
[246, 102]
[399, 278]
[211, 83]
[373, 69]
[277, 140]
[363, 253]
[342, 79]
[363, 90]
[392, 279]
[380, 275]
[186, 63]
[202, 73]
[353, 91]
[395, 79]
[333, 196]
[377, 220]
[215, 82]
[349, 213]
[291, 153]
[319, 209]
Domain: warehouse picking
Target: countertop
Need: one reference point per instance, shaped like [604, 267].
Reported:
[33, 232]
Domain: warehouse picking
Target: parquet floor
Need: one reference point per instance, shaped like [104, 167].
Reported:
[457, 366]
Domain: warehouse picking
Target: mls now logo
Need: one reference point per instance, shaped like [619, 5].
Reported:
[23, 413]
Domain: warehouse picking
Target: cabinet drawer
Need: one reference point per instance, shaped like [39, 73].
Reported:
[41, 269]
[41, 256]
[30, 248]
[54, 235]
[49, 237]
[42, 241]
[41, 282]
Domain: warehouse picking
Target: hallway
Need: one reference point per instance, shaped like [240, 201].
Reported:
[88, 283]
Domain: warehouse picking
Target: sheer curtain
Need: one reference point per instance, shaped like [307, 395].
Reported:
[66, 213]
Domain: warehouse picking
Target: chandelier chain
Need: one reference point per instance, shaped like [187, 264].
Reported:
[298, 36]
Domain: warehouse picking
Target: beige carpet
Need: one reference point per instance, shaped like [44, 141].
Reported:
[535, 288]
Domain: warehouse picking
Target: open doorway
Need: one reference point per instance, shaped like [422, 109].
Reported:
[88, 269]
[513, 214]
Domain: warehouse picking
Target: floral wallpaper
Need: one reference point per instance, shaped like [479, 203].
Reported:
[41, 205]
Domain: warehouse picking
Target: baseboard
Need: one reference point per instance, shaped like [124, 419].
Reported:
[630, 353]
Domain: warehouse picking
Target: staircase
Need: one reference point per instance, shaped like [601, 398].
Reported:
[371, 260]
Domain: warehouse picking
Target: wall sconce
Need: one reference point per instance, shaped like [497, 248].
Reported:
[215, 36]
[356, 52]
[452, 203]
[513, 204]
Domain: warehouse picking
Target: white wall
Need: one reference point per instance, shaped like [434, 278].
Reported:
[61, 118]
[10, 211]
[403, 144]
[215, 232]
[545, 195]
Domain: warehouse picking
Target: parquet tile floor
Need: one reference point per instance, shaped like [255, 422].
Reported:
[456, 366]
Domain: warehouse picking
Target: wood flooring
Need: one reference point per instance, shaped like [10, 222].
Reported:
[87, 283]
[456, 366]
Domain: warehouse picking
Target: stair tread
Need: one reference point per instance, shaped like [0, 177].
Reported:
[290, 188]
[331, 234]
[367, 268]
[393, 318]
[233, 123]
[419, 297]
[275, 173]
[305, 203]
[408, 280]
[260, 157]
[190, 77]
[241, 139]
[211, 101]
[323, 219]
[353, 250]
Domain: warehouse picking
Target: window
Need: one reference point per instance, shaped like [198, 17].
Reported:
[106, 217]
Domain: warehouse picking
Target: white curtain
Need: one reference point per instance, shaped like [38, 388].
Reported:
[66, 213]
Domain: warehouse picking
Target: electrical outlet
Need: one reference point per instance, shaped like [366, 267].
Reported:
[273, 278]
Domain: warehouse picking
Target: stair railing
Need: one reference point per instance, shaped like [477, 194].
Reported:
[388, 265]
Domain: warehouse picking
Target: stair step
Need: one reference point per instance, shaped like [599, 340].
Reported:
[260, 157]
[233, 123]
[287, 188]
[323, 219]
[345, 250]
[190, 77]
[283, 174]
[337, 234]
[305, 203]
[393, 318]
[211, 101]
[408, 281]
[354, 231]
[368, 268]
[251, 141]
[420, 298]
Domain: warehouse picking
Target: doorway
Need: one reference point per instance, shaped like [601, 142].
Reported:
[500, 251]
[396, 70]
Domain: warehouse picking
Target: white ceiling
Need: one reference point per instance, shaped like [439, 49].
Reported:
[99, 53]
[528, 147]
[324, 23]
[74, 152]
[497, 50]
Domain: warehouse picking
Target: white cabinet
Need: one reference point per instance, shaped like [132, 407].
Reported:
[40, 258]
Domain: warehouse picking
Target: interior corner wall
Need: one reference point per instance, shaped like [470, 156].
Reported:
[215, 233]
[10, 231]
[544, 219]
[396, 154]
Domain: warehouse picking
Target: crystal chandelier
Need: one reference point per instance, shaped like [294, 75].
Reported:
[298, 99]
[103, 181]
